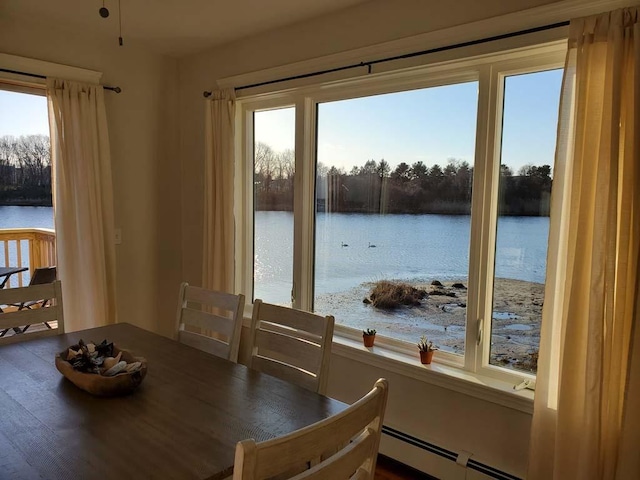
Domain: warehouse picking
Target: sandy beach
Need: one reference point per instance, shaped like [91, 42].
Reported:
[441, 316]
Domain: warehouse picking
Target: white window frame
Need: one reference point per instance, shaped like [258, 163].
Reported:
[489, 71]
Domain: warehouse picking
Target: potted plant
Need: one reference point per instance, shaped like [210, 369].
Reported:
[426, 348]
[368, 337]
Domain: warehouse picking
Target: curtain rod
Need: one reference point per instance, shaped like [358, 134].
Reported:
[404, 56]
[35, 75]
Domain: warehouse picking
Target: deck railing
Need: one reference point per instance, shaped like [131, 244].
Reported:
[26, 247]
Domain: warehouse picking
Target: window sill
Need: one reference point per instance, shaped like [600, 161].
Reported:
[449, 377]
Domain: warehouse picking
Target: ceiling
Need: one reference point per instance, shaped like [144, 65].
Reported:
[174, 27]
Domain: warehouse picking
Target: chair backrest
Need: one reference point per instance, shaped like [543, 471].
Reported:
[210, 321]
[32, 293]
[344, 446]
[291, 344]
[43, 275]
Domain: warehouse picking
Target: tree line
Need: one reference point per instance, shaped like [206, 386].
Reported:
[25, 170]
[417, 188]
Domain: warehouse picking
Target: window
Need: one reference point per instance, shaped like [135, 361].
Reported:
[274, 168]
[25, 180]
[420, 207]
[530, 116]
[392, 232]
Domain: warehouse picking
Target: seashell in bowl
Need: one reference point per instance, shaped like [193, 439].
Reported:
[111, 361]
[133, 367]
[125, 381]
[117, 368]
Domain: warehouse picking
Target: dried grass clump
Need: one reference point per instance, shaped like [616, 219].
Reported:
[390, 295]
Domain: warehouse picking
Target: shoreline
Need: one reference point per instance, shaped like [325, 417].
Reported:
[517, 310]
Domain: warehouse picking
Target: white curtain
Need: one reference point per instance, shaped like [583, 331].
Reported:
[585, 396]
[83, 202]
[218, 254]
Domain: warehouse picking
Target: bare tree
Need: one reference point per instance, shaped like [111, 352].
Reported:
[25, 160]
[264, 159]
[322, 169]
[34, 156]
[286, 167]
[7, 159]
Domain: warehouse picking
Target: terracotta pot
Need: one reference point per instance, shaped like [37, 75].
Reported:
[368, 340]
[426, 357]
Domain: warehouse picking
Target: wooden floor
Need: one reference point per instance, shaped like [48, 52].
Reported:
[389, 469]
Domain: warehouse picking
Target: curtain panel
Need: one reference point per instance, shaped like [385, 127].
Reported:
[83, 202]
[583, 394]
[219, 228]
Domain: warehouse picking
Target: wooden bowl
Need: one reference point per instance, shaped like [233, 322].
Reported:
[101, 386]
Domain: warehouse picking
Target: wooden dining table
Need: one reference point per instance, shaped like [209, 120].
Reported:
[182, 422]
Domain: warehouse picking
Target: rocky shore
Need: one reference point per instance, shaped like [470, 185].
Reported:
[441, 315]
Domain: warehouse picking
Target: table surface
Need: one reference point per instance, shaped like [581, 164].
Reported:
[8, 271]
[183, 421]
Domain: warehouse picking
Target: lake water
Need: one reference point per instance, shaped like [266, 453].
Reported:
[407, 247]
[26, 217]
[416, 249]
[413, 248]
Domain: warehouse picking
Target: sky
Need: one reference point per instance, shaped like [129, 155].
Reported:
[429, 125]
[23, 114]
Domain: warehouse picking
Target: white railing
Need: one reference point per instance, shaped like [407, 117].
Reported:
[26, 247]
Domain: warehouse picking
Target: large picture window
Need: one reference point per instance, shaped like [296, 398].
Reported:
[420, 207]
[393, 203]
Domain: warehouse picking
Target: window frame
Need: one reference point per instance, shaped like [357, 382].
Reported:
[489, 71]
[487, 233]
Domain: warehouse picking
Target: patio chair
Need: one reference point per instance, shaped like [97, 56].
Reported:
[291, 344]
[343, 446]
[217, 321]
[32, 295]
[41, 276]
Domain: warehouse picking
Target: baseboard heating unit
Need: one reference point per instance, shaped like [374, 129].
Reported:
[448, 454]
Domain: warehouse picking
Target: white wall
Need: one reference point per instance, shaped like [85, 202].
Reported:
[495, 435]
[143, 132]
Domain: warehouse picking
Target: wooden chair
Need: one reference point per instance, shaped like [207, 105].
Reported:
[45, 313]
[40, 275]
[291, 344]
[217, 320]
[344, 446]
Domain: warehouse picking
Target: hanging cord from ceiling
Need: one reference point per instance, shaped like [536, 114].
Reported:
[369, 64]
[119, 24]
[104, 13]
[35, 75]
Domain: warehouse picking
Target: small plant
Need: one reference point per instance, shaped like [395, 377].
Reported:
[426, 348]
[369, 337]
[426, 345]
